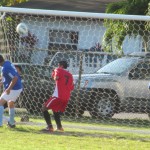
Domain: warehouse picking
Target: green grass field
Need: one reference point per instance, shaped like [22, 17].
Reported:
[77, 136]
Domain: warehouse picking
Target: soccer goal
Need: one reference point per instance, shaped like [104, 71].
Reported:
[108, 55]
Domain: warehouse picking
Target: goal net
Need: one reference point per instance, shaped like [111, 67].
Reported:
[107, 54]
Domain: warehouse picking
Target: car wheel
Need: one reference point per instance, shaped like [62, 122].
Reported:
[103, 108]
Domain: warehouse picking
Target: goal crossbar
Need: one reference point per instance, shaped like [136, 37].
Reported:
[74, 14]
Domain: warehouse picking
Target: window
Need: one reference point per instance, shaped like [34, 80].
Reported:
[63, 40]
[65, 37]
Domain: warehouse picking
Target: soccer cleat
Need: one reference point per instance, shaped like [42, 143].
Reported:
[50, 129]
[11, 126]
[59, 129]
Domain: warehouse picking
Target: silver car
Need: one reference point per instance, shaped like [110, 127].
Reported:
[120, 86]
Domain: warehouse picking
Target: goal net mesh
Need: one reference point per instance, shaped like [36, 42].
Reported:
[111, 74]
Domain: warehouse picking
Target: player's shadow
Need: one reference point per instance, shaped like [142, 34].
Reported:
[75, 134]
[66, 133]
[82, 134]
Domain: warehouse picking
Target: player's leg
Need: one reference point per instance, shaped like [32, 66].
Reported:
[2, 102]
[11, 107]
[57, 117]
[11, 98]
[61, 106]
[5, 118]
[47, 118]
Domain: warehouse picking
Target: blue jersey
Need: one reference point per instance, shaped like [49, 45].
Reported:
[9, 71]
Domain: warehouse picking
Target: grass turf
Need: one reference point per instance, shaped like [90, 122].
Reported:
[30, 137]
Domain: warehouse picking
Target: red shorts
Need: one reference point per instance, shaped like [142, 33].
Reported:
[56, 104]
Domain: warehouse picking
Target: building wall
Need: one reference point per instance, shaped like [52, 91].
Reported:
[90, 33]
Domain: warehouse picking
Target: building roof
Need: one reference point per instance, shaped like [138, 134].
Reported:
[95, 6]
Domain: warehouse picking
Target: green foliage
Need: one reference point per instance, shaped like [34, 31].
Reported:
[117, 30]
[11, 2]
[137, 7]
[111, 34]
[148, 23]
[117, 8]
[148, 13]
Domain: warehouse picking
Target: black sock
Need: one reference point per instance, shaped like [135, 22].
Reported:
[57, 119]
[47, 118]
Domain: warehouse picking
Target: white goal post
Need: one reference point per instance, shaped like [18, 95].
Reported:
[73, 14]
[88, 41]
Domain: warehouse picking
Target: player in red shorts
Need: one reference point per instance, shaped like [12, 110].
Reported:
[59, 100]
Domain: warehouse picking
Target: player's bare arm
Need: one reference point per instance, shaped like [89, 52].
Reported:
[11, 85]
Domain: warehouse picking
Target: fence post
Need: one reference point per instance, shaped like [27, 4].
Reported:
[78, 86]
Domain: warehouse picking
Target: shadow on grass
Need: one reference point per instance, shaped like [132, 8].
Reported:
[138, 123]
[23, 129]
[94, 135]
[82, 134]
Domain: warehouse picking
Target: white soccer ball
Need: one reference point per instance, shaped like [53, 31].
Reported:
[22, 29]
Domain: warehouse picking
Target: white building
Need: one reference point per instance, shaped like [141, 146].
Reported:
[57, 33]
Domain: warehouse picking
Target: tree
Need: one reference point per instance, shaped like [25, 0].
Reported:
[148, 10]
[148, 23]
[117, 30]
[11, 2]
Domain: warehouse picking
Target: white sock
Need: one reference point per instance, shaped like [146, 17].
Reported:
[12, 116]
[1, 115]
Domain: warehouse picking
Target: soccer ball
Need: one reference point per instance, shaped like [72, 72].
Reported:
[22, 29]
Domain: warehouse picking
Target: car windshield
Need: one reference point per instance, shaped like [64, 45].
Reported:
[117, 66]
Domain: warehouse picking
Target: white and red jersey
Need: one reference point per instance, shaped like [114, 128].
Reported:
[64, 83]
